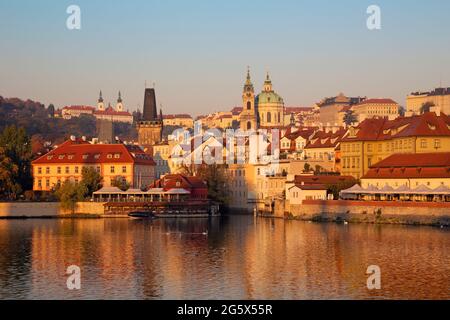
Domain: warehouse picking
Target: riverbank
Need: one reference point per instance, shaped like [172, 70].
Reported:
[372, 212]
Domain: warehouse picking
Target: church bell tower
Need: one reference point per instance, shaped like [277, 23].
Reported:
[150, 126]
[248, 117]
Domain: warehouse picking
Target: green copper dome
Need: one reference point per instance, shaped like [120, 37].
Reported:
[269, 97]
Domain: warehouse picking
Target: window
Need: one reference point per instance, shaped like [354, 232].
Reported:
[437, 144]
[47, 170]
[76, 170]
[58, 170]
[249, 105]
[117, 156]
[110, 156]
[269, 117]
[423, 144]
[112, 169]
[39, 170]
[85, 156]
[249, 125]
[47, 183]
[40, 183]
[67, 170]
[124, 169]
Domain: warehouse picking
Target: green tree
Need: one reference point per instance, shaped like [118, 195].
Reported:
[69, 194]
[91, 180]
[335, 189]
[9, 188]
[121, 183]
[15, 147]
[350, 117]
[216, 178]
[51, 110]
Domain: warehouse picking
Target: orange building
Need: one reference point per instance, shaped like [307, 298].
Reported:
[67, 161]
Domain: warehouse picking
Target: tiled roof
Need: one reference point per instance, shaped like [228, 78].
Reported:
[79, 151]
[176, 116]
[441, 159]
[172, 181]
[427, 124]
[408, 166]
[111, 112]
[322, 139]
[79, 108]
[321, 180]
[377, 101]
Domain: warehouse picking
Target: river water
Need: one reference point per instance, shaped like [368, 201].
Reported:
[235, 257]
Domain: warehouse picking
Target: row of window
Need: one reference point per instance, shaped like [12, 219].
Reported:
[76, 170]
[393, 145]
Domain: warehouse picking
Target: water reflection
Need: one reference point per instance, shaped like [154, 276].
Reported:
[220, 258]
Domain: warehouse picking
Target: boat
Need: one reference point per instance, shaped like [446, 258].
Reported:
[141, 215]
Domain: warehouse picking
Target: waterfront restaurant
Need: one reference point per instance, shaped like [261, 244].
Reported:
[112, 194]
[405, 177]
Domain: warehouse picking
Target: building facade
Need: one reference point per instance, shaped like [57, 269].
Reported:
[376, 139]
[151, 125]
[438, 98]
[112, 161]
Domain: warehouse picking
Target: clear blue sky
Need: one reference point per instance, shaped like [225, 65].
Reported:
[197, 51]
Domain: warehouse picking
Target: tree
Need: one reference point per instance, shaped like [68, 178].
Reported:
[9, 188]
[335, 189]
[350, 117]
[51, 110]
[215, 177]
[307, 168]
[69, 194]
[121, 183]
[91, 180]
[15, 146]
[426, 107]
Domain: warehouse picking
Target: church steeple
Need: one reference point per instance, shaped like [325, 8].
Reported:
[248, 86]
[100, 104]
[119, 105]
[268, 84]
[248, 116]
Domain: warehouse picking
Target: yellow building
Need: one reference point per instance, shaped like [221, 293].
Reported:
[178, 120]
[440, 98]
[112, 161]
[372, 108]
[376, 139]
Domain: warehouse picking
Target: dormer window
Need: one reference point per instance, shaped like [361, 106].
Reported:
[85, 156]
[70, 157]
[109, 156]
[61, 157]
[97, 156]
[50, 157]
[117, 156]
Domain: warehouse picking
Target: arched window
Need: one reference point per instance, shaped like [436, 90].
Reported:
[279, 117]
[249, 105]
[249, 125]
[269, 117]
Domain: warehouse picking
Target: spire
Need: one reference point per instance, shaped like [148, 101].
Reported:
[120, 97]
[248, 87]
[100, 97]
[268, 83]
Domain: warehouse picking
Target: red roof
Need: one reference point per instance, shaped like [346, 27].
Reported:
[377, 101]
[427, 124]
[237, 110]
[79, 108]
[176, 116]
[408, 166]
[175, 181]
[322, 139]
[111, 112]
[79, 151]
[321, 180]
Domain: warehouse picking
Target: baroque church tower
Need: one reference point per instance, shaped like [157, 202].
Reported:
[249, 116]
[100, 103]
[119, 105]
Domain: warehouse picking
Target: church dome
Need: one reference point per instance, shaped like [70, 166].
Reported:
[269, 97]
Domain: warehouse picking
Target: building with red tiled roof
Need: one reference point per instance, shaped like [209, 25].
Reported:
[376, 139]
[112, 161]
[76, 111]
[197, 188]
[409, 177]
[372, 108]
[179, 120]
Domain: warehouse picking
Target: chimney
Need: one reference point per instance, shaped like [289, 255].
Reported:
[72, 138]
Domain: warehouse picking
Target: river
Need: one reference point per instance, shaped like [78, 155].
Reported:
[233, 257]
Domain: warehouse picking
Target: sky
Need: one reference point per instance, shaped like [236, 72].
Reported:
[196, 52]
